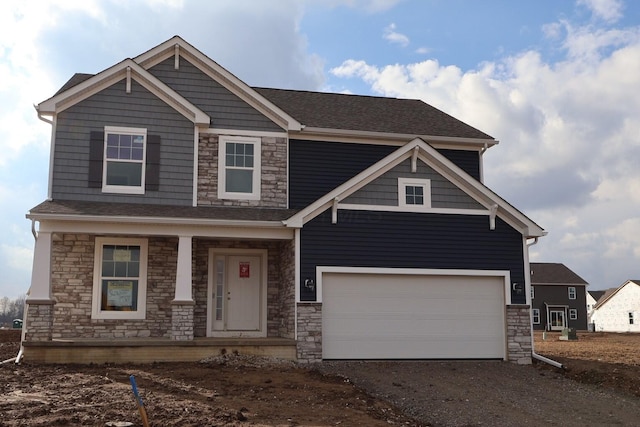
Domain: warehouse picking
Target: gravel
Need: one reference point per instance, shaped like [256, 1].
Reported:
[488, 393]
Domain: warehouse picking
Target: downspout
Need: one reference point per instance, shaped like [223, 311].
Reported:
[533, 350]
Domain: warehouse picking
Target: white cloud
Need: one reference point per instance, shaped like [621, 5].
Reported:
[608, 10]
[391, 35]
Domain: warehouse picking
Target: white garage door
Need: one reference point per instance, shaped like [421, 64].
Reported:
[391, 316]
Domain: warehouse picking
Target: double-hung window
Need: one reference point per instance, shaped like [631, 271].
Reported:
[536, 316]
[120, 278]
[573, 314]
[572, 292]
[124, 160]
[239, 168]
[414, 193]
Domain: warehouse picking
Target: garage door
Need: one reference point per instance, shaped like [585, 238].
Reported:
[392, 316]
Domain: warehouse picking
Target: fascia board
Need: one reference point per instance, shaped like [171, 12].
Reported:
[388, 138]
[221, 75]
[106, 78]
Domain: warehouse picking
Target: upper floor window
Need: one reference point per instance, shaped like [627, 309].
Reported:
[536, 316]
[572, 292]
[124, 160]
[239, 168]
[414, 193]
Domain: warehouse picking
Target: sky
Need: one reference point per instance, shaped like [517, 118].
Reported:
[557, 82]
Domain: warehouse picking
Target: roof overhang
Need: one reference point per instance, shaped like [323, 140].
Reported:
[127, 69]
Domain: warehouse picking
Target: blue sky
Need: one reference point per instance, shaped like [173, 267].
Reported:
[555, 81]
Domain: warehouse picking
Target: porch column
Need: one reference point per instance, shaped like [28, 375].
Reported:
[39, 301]
[183, 304]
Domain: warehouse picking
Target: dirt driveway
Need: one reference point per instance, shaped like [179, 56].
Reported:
[236, 391]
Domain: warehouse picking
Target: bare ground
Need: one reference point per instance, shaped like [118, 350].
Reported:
[599, 387]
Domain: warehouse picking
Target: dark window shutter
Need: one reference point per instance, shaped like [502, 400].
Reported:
[96, 153]
[152, 170]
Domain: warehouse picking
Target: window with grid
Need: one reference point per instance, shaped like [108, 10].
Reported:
[124, 160]
[414, 193]
[239, 168]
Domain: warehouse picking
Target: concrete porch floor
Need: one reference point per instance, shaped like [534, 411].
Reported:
[148, 350]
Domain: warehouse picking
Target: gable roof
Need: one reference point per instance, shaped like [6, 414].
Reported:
[596, 295]
[609, 293]
[547, 273]
[310, 113]
[441, 165]
[83, 86]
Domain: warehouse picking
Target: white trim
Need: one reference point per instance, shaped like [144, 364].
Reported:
[240, 132]
[196, 168]
[40, 288]
[573, 314]
[575, 292]
[296, 280]
[505, 274]
[533, 316]
[140, 313]
[264, 284]
[124, 189]
[388, 208]
[54, 124]
[425, 184]
[256, 169]
[114, 74]
[185, 226]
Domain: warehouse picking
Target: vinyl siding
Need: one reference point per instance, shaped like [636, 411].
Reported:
[114, 107]
[559, 295]
[384, 190]
[410, 240]
[318, 167]
[226, 110]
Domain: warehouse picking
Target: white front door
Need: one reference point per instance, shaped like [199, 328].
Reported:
[237, 295]
[557, 320]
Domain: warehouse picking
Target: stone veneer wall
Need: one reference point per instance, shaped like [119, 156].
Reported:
[309, 342]
[72, 288]
[39, 318]
[287, 291]
[273, 188]
[201, 273]
[519, 345]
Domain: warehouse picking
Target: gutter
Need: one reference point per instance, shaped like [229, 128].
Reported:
[535, 355]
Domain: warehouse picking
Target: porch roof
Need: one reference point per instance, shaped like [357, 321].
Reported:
[76, 209]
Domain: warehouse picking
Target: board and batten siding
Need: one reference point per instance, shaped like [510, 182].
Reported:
[383, 191]
[317, 167]
[410, 240]
[114, 107]
[226, 110]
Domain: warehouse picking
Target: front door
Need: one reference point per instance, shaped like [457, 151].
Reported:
[557, 320]
[236, 291]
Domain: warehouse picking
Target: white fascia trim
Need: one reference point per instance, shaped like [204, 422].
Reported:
[387, 138]
[154, 220]
[240, 231]
[52, 148]
[384, 208]
[504, 274]
[219, 74]
[196, 159]
[239, 132]
[114, 74]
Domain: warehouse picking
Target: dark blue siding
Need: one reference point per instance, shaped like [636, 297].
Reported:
[410, 240]
[318, 167]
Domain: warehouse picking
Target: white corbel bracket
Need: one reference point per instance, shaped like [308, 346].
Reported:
[128, 89]
[334, 211]
[176, 59]
[414, 160]
[493, 211]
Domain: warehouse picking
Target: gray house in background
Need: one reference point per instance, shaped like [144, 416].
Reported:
[558, 297]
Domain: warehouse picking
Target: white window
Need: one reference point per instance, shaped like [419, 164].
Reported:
[631, 318]
[414, 193]
[239, 168]
[536, 316]
[573, 314]
[120, 278]
[572, 292]
[124, 160]
[533, 292]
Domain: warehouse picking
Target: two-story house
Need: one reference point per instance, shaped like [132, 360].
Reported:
[558, 297]
[190, 213]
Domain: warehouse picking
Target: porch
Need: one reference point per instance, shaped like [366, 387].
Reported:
[149, 350]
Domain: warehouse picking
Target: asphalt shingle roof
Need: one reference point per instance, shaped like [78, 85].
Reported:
[554, 274]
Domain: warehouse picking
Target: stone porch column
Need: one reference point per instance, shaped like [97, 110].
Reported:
[183, 305]
[39, 301]
[519, 339]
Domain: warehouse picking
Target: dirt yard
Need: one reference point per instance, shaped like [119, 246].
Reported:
[600, 386]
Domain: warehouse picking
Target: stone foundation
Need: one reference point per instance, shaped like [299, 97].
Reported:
[519, 339]
[309, 342]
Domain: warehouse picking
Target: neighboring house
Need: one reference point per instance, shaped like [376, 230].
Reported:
[619, 309]
[558, 297]
[592, 300]
[189, 213]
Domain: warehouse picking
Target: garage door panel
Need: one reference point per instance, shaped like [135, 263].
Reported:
[368, 316]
